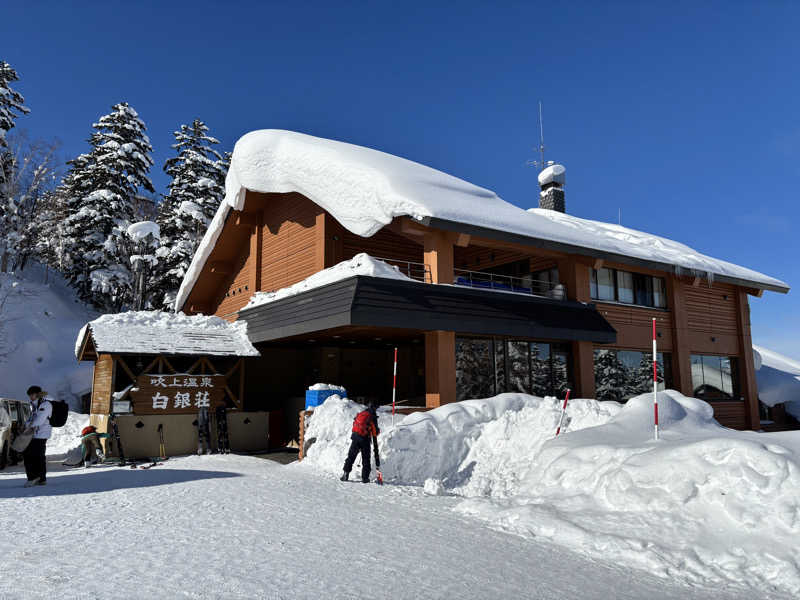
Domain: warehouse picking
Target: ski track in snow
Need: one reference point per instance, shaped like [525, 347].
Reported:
[242, 527]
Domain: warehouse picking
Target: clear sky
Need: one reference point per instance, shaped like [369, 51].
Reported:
[681, 115]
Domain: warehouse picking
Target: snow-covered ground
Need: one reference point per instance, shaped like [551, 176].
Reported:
[242, 527]
[38, 325]
[704, 505]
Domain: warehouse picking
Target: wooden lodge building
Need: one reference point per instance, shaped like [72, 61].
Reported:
[495, 298]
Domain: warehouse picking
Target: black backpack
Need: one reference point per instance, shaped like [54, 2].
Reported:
[60, 413]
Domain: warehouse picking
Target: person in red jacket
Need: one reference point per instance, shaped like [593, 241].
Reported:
[365, 429]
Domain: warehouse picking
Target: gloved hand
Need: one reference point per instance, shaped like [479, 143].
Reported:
[27, 431]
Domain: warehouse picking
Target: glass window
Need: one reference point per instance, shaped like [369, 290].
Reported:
[623, 374]
[474, 368]
[518, 366]
[560, 371]
[715, 377]
[625, 286]
[605, 284]
[540, 369]
[643, 289]
[659, 293]
[499, 367]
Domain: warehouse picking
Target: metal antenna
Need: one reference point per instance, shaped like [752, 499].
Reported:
[541, 164]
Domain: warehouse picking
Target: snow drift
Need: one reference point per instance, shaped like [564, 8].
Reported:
[703, 504]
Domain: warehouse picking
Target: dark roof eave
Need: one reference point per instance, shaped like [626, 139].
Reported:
[505, 236]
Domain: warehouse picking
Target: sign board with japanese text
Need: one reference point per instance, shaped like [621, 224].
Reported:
[177, 393]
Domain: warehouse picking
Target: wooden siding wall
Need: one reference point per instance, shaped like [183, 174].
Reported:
[238, 290]
[711, 312]
[384, 244]
[634, 325]
[102, 384]
[289, 237]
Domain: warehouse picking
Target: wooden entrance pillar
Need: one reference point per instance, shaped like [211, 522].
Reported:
[681, 352]
[575, 277]
[747, 370]
[440, 368]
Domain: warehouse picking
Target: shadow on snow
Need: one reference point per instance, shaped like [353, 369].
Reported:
[105, 479]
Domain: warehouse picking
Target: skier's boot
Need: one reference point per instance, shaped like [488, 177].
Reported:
[345, 476]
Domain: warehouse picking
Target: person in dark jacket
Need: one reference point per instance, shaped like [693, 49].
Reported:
[365, 429]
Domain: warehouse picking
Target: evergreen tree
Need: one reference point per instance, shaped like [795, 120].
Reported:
[11, 107]
[101, 195]
[11, 102]
[610, 375]
[642, 377]
[540, 372]
[195, 192]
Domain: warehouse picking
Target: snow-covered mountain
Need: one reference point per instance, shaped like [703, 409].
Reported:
[38, 325]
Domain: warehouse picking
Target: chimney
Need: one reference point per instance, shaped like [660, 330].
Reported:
[552, 180]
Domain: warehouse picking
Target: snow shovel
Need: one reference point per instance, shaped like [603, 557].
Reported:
[379, 480]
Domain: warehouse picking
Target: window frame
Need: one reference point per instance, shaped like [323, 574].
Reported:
[642, 278]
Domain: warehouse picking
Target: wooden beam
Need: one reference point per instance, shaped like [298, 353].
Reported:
[245, 219]
[755, 292]
[255, 246]
[439, 256]
[409, 227]
[696, 282]
[597, 265]
[681, 350]
[462, 241]
[199, 309]
[126, 369]
[221, 267]
[747, 371]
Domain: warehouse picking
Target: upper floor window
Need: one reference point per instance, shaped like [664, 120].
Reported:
[628, 288]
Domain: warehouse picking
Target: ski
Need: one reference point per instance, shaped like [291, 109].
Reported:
[117, 441]
[161, 447]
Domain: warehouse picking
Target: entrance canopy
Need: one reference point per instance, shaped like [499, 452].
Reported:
[379, 302]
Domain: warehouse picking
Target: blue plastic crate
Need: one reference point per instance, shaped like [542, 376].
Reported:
[316, 397]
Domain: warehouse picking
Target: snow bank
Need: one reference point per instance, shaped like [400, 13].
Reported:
[326, 387]
[360, 264]
[140, 230]
[156, 332]
[703, 504]
[38, 322]
[364, 189]
[778, 378]
[67, 438]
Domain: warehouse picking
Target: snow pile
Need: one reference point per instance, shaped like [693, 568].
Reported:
[321, 387]
[704, 504]
[360, 264]
[66, 439]
[38, 322]
[156, 332]
[140, 230]
[364, 189]
[778, 379]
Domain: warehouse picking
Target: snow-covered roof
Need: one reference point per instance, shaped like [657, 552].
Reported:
[155, 332]
[364, 189]
[360, 264]
[778, 378]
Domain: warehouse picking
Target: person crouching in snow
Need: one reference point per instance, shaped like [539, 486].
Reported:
[91, 448]
[365, 429]
[39, 425]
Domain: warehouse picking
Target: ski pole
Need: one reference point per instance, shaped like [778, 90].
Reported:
[563, 411]
[394, 383]
[161, 440]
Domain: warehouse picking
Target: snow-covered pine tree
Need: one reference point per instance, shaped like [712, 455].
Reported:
[11, 102]
[610, 375]
[642, 376]
[195, 192]
[101, 191]
[540, 372]
[11, 107]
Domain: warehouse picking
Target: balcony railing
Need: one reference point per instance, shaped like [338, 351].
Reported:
[482, 280]
[507, 283]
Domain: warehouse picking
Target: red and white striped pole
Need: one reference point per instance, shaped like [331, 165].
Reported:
[394, 384]
[655, 381]
[563, 410]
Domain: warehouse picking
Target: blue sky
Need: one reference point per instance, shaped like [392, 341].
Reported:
[682, 115]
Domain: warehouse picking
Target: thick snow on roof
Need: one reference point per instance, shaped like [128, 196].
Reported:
[364, 189]
[360, 264]
[553, 173]
[154, 332]
[778, 378]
